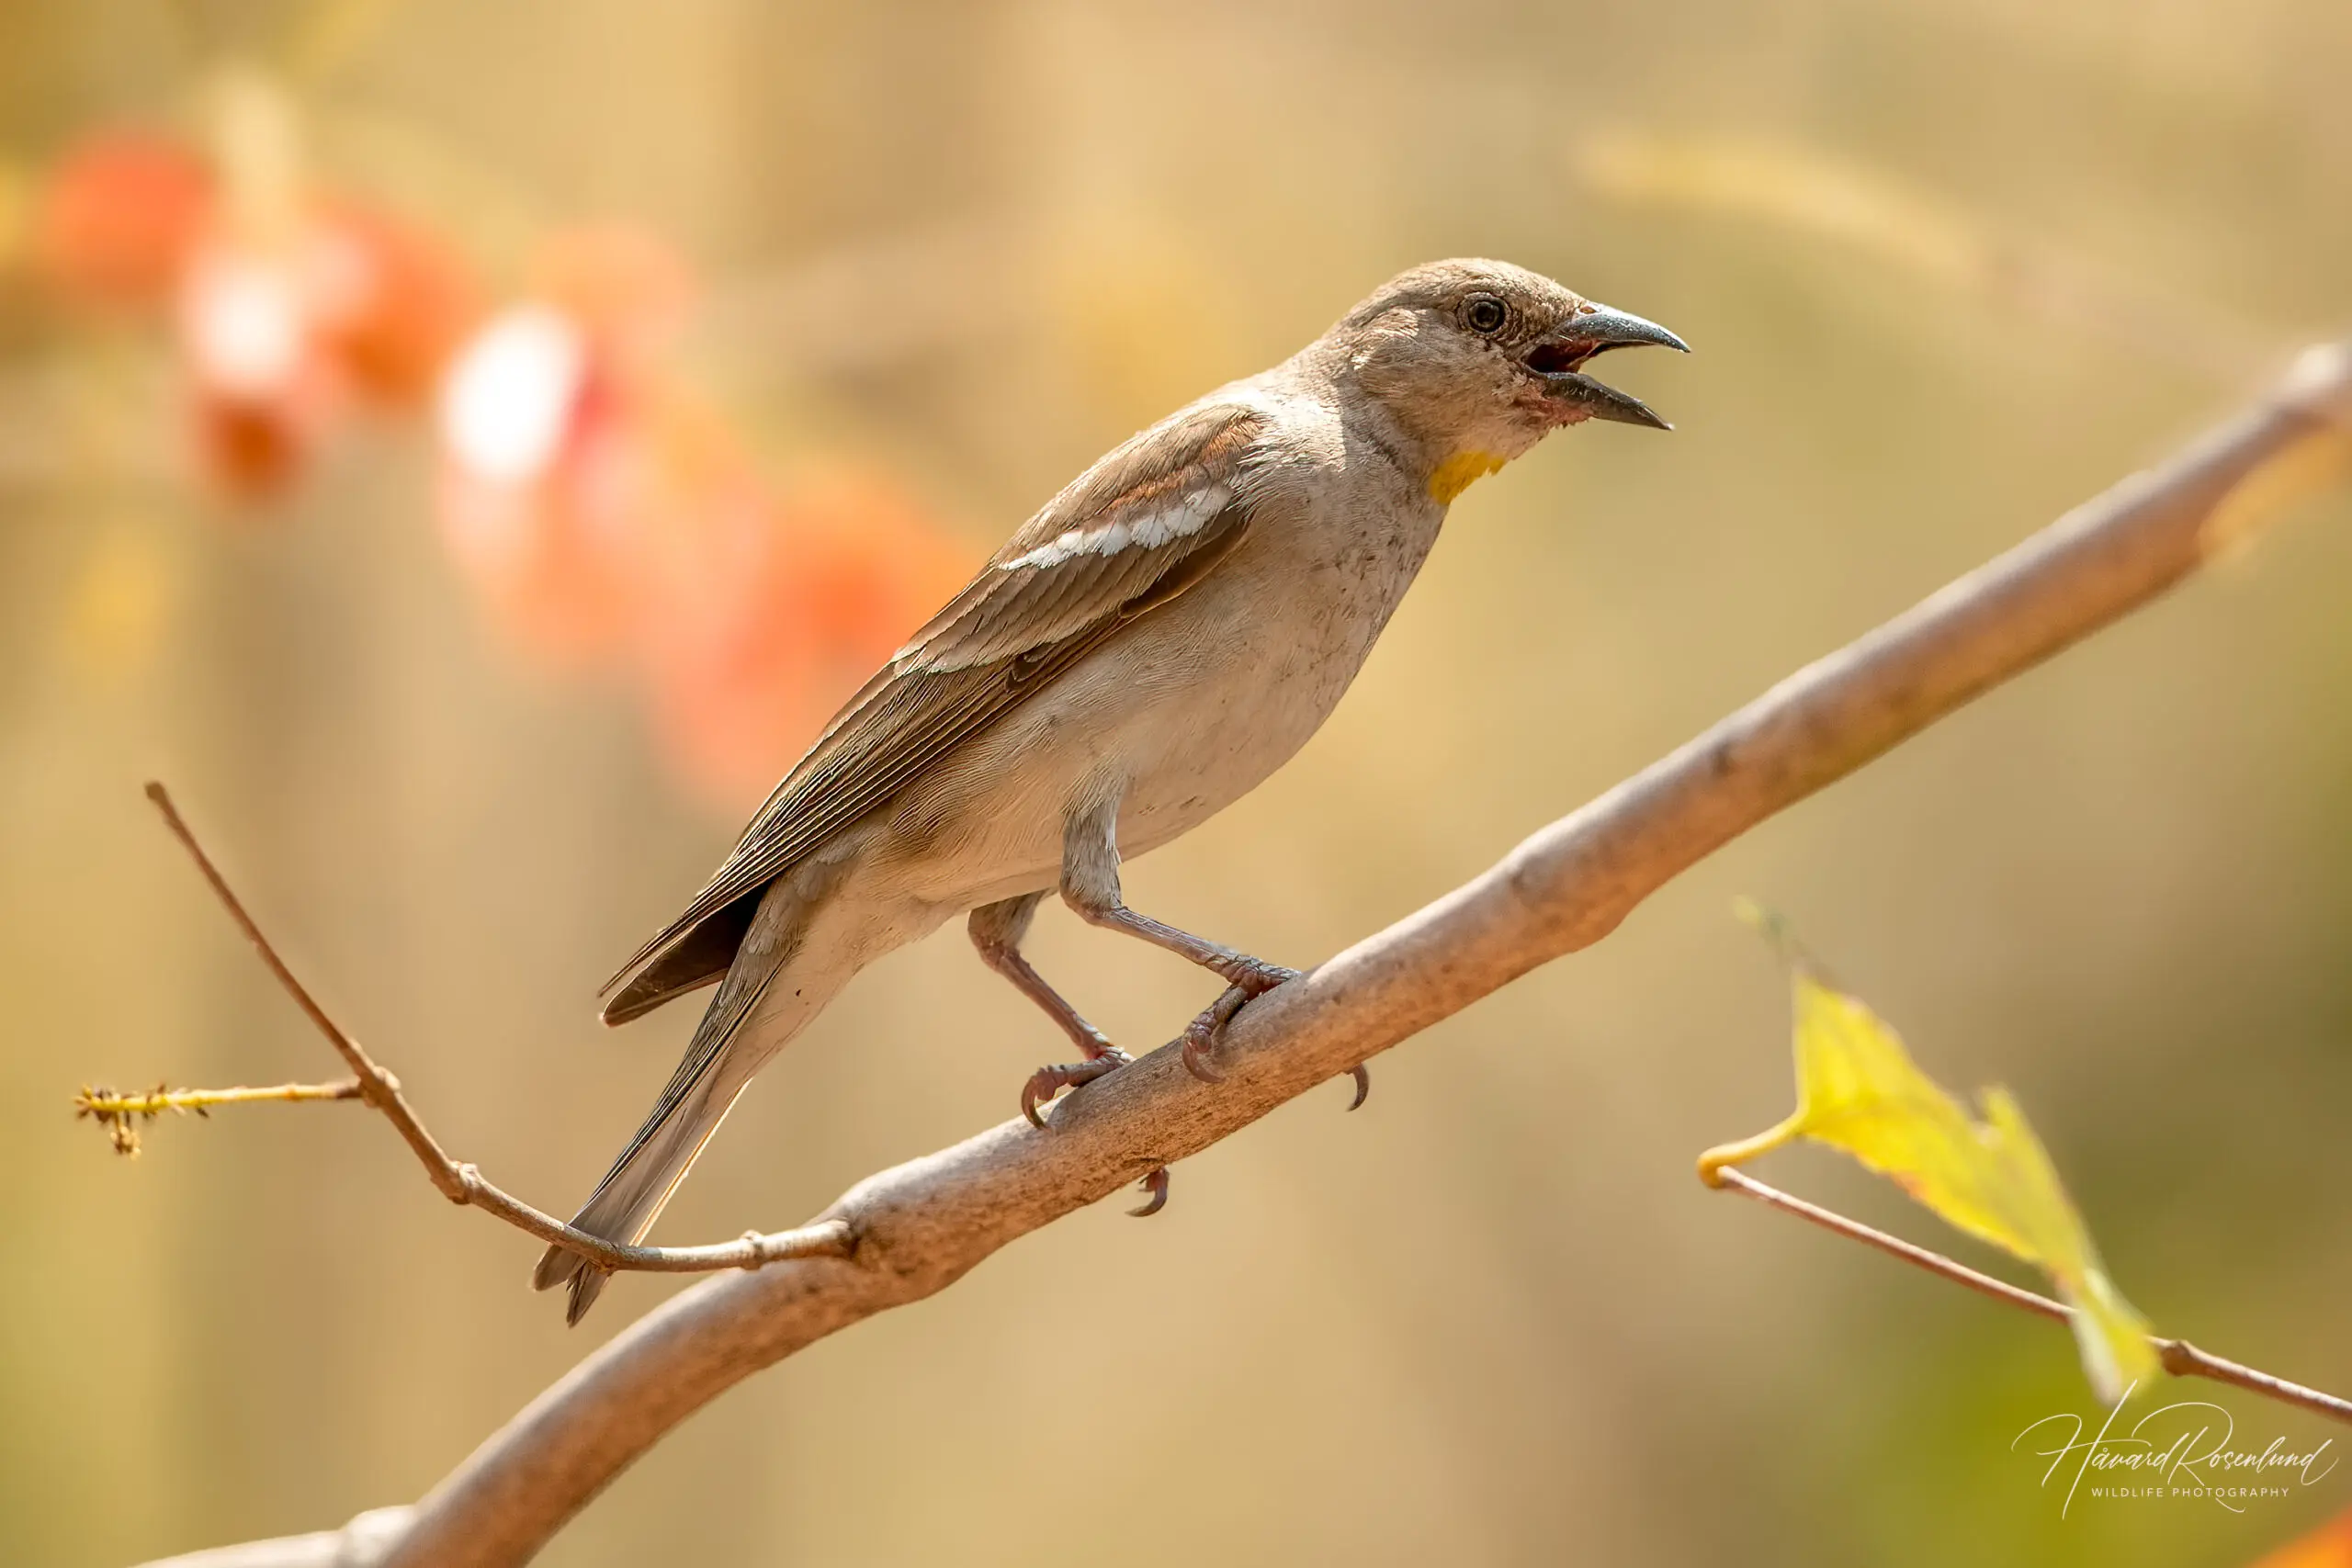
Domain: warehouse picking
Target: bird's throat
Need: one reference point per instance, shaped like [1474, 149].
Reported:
[1461, 471]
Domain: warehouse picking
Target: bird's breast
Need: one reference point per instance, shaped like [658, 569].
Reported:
[1259, 656]
[1186, 710]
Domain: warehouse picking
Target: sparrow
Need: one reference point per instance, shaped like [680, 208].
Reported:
[1147, 650]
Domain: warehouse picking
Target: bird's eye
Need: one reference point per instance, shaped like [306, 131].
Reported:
[1487, 315]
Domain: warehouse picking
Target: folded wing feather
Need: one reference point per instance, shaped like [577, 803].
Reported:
[1150, 519]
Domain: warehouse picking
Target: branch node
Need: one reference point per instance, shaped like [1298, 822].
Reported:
[467, 1183]
[461, 1182]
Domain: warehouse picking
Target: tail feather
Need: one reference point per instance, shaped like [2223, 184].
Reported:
[694, 1102]
[713, 1072]
[632, 1195]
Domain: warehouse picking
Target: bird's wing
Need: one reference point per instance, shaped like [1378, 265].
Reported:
[1146, 522]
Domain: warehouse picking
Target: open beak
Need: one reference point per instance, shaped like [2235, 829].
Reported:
[1559, 358]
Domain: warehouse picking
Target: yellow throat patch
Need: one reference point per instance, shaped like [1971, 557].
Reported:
[1461, 471]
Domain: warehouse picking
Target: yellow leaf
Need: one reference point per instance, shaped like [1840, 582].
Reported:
[1858, 1091]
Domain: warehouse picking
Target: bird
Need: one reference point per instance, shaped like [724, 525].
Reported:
[1155, 642]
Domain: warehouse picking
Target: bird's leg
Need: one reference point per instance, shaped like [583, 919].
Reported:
[996, 930]
[1091, 886]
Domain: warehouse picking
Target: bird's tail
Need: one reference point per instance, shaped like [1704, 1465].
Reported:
[716, 1067]
[757, 1009]
[626, 1204]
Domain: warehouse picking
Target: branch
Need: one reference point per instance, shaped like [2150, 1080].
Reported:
[919, 1227]
[460, 1183]
[2179, 1357]
[120, 1114]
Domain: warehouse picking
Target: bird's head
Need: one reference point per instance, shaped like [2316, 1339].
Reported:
[1476, 361]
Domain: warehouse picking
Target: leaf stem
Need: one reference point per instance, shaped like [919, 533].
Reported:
[2179, 1356]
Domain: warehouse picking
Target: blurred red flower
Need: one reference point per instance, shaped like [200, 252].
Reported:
[286, 328]
[609, 517]
[564, 452]
[290, 310]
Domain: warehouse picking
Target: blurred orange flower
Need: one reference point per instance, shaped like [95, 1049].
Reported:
[391, 303]
[2329, 1546]
[117, 216]
[612, 518]
[832, 578]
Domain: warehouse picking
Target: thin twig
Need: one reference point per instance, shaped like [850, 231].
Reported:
[462, 1183]
[105, 1102]
[2183, 1359]
[2178, 1356]
[120, 1114]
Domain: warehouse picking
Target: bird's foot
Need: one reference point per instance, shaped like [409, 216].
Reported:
[1047, 1082]
[1246, 980]
[1253, 977]
[1203, 1035]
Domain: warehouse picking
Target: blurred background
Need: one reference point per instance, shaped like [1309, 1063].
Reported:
[468, 450]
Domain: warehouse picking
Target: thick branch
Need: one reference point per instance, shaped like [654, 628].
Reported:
[920, 1226]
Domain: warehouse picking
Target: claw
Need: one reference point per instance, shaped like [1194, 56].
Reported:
[1195, 1061]
[1201, 1034]
[1364, 1085]
[1155, 1184]
[1248, 978]
[1047, 1082]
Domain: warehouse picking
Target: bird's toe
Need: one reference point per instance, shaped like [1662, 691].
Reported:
[1047, 1082]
